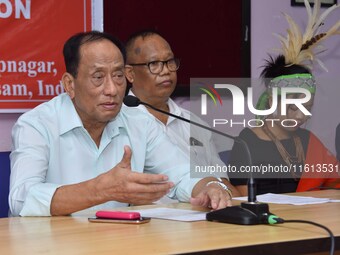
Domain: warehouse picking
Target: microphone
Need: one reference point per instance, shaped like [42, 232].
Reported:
[248, 213]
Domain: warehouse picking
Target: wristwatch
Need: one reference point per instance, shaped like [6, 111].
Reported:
[223, 186]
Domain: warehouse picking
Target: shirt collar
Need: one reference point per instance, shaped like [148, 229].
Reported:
[113, 126]
[68, 115]
[174, 108]
[70, 119]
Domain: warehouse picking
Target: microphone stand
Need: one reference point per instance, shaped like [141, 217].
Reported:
[248, 213]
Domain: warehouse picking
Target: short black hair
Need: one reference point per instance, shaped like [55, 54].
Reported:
[277, 67]
[72, 46]
[141, 33]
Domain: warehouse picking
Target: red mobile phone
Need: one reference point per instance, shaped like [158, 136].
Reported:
[118, 215]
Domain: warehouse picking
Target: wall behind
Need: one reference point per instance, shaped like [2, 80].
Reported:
[203, 40]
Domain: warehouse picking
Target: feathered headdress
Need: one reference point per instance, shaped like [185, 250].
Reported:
[301, 49]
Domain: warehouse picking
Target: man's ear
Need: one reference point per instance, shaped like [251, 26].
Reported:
[129, 73]
[68, 83]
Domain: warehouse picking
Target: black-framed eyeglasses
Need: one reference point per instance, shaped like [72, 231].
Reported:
[156, 67]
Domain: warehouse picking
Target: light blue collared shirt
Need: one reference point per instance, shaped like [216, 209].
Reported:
[52, 148]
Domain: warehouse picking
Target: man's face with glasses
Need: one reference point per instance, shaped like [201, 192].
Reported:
[154, 75]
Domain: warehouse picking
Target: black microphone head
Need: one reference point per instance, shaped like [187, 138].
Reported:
[131, 101]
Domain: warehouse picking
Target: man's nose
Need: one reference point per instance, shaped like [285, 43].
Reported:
[110, 87]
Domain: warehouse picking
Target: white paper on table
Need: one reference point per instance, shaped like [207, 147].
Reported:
[288, 199]
[173, 214]
[335, 200]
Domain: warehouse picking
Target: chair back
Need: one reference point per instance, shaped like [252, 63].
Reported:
[4, 183]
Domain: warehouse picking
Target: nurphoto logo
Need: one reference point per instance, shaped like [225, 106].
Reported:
[239, 99]
[280, 99]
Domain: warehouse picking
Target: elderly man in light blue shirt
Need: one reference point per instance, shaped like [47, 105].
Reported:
[73, 156]
[83, 149]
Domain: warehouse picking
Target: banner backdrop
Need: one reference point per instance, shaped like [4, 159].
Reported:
[32, 36]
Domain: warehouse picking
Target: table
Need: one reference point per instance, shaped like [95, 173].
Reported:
[75, 235]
